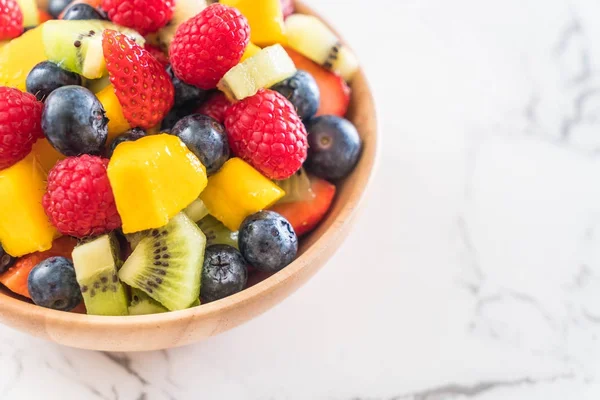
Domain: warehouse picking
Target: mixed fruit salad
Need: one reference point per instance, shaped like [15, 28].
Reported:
[157, 154]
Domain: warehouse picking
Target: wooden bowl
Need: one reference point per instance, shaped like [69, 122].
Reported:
[160, 331]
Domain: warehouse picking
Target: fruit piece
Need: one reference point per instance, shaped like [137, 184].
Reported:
[250, 51]
[297, 188]
[206, 138]
[303, 92]
[196, 211]
[79, 200]
[224, 272]
[184, 93]
[334, 147]
[11, 19]
[56, 7]
[217, 233]
[46, 77]
[52, 284]
[167, 263]
[43, 16]
[81, 11]
[335, 93]
[266, 132]
[161, 57]
[46, 154]
[145, 16]
[117, 123]
[142, 304]
[153, 179]
[15, 279]
[287, 7]
[97, 85]
[268, 241]
[141, 83]
[77, 45]
[19, 56]
[305, 215]
[237, 191]
[31, 15]
[130, 136]
[96, 265]
[269, 66]
[208, 45]
[24, 227]
[74, 121]
[20, 127]
[6, 260]
[184, 10]
[265, 18]
[215, 107]
[309, 36]
[94, 3]
[175, 115]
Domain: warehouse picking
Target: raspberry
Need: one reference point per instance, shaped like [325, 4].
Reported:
[11, 19]
[158, 54]
[145, 16]
[141, 83]
[266, 132]
[215, 107]
[20, 125]
[79, 200]
[208, 45]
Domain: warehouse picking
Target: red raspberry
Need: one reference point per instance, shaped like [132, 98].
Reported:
[145, 16]
[208, 45]
[215, 107]
[11, 19]
[288, 7]
[20, 125]
[79, 200]
[157, 53]
[266, 132]
[141, 83]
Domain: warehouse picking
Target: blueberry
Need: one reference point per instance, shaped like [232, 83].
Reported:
[176, 113]
[74, 121]
[184, 93]
[47, 77]
[129, 136]
[6, 260]
[82, 11]
[302, 91]
[224, 272]
[334, 147]
[52, 284]
[268, 241]
[206, 138]
[55, 7]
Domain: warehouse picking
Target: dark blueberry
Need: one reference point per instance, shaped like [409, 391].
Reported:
[302, 91]
[47, 77]
[82, 11]
[268, 241]
[6, 260]
[52, 284]
[74, 121]
[224, 272]
[206, 138]
[55, 7]
[129, 136]
[176, 114]
[334, 147]
[184, 93]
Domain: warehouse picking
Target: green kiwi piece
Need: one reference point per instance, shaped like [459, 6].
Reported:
[196, 211]
[96, 265]
[167, 263]
[142, 304]
[297, 188]
[217, 233]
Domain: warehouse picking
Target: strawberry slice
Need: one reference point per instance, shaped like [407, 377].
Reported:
[141, 83]
[306, 215]
[335, 93]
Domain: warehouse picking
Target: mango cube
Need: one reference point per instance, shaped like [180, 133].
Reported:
[250, 51]
[19, 56]
[47, 155]
[265, 18]
[117, 123]
[237, 191]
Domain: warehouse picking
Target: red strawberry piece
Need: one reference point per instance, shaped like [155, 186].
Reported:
[335, 93]
[20, 125]
[11, 19]
[215, 107]
[145, 16]
[141, 83]
[305, 215]
[267, 133]
[288, 7]
[157, 53]
[208, 45]
[79, 200]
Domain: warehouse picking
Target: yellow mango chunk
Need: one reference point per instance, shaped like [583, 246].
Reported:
[24, 227]
[265, 18]
[250, 51]
[237, 191]
[153, 179]
[117, 124]
[19, 57]
[47, 155]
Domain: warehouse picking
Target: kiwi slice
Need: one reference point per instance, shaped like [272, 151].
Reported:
[96, 264]
[142, 304]
[298, 187]
[217, 233]
[196, 211]
[167, 263]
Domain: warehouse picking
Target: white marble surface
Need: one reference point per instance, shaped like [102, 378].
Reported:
[474, 271]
